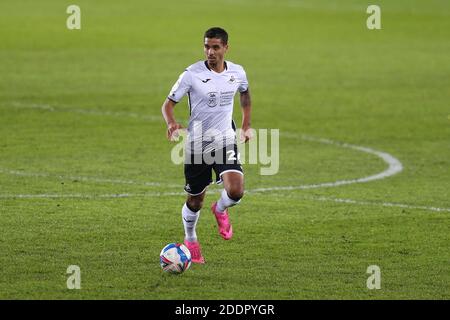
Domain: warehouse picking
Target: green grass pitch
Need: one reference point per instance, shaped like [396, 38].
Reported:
[80, 122]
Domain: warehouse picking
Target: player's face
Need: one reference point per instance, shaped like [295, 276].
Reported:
[214, 50]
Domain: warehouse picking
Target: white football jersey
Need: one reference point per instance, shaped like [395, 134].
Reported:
[210, 97]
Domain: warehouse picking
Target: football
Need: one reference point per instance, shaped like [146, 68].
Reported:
[175, 258]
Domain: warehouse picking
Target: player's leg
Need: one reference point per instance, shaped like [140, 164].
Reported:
[230, 196]
[190, 214]
[233, 183]
[198, 177]
[231, 175]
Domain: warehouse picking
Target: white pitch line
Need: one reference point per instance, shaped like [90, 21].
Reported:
[161, 194]
[86, 179]
[370, 203]
[394, 165]
[120, 114]
[88, 196]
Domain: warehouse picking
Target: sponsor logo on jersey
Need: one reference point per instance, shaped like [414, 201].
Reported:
[212, 99]
[206, 80]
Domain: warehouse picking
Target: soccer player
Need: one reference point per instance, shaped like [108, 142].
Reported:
[211, 141]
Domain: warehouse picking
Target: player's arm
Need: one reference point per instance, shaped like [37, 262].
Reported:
[168, 114]
[179, 89]
[246, 106]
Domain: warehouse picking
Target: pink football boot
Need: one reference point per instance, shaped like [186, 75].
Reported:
[196, 253]
[223, 221]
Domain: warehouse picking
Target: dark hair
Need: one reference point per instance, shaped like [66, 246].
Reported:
[218, 33]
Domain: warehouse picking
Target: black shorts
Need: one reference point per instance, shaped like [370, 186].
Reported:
[198, 171]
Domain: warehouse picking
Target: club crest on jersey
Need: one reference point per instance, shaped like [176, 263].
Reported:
[212, 99]
[232, 79]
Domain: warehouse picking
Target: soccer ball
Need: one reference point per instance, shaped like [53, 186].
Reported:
[175, 258]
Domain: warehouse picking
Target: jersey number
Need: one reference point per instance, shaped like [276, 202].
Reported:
[232, 155]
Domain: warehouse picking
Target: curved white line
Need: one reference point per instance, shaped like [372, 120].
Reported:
[87, 196]
[97, 112]
[130, 195]
[394, 166]
[86, 179]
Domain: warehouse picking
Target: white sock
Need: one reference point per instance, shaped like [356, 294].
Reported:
[190, 219]
[225, 201]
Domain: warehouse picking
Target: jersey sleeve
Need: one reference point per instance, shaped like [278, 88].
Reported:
[243, 82]
[181, 87]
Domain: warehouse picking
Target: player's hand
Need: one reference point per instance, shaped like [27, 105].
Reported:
[246, 134]
[173, 131]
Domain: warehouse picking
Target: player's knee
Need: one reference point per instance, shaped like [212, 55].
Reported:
[236, 194]
[195, 204]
